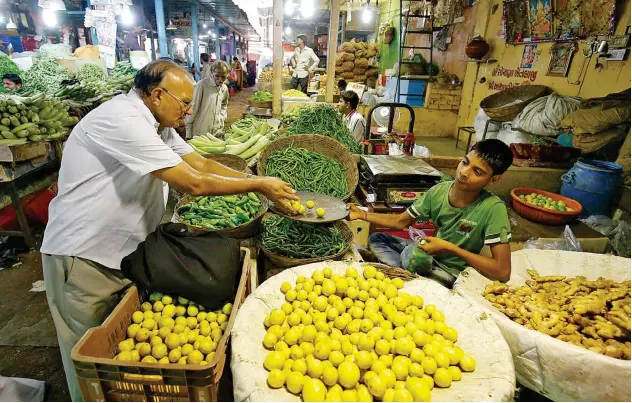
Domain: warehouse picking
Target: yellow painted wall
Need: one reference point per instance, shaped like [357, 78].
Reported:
[428, 122]
[595, 83]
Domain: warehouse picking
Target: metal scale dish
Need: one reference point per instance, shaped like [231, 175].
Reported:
[396, 178]
[335, 209]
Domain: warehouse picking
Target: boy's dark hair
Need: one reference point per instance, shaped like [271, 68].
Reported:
[301, 36]
[12, 77]
[342, 84]
[495, 153]
[204, 57]
[351, 97]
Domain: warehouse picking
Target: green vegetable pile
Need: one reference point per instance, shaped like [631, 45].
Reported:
[38, 118]
[46, 76]
[261, 96]
[122, 69]
[246, 138]
[90, 72]
[220, 212]
[308, 171]
[295, 239]
[324, 120]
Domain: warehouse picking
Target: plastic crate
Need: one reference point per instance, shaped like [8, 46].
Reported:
[103, 379]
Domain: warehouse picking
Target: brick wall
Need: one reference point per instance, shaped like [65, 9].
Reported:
[443, 98]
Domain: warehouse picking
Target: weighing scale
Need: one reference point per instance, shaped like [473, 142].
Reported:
[395, 179]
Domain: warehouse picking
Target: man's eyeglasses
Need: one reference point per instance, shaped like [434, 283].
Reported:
[184, 105]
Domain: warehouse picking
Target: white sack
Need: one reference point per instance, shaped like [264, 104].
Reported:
[503, 133]
[493, 379]
[551, 367]
[543, 116]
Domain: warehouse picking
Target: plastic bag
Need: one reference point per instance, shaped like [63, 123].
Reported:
[567, 242]
[618, 232]
[419, 261]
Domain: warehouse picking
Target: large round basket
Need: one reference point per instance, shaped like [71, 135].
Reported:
[246, 230]
[506, 105]
[231, 161]
[284, 261]
[265, 104]
[321, 144]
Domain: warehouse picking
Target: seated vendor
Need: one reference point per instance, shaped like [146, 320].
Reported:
[353, 119]
[466, 216]
[11, 81]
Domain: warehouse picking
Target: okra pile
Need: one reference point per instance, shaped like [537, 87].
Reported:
[37, 118]
[296, 239]
[220, 212]
[308, 171]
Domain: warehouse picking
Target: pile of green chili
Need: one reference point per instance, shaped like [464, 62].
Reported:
[295, 239]
[324, 120]
[308, 171]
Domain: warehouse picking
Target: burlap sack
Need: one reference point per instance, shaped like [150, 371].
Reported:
[359, 71]
[339, 61]
[347, 75]
[347, 47]
[348, 66]
[592, 142]
[339, 70]
[362, 62]
[347, 57]
[625, 161]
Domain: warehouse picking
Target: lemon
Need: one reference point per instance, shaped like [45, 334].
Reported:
[363, 394]
[429, 365]
[186, 349]
[418, 389]
[314, 390]
[330, 376]
[146, 307]
[285, 287]
[415, 370]
[455, 373]
[174, 356]
[181, 310]
[329, 287]
[363, 359]
[134, 356]
[322, 350]
[421, 338]
[430, 350]
[182, 361]
[293, 319]
[133, 329]
[377, 386]
[276, 379]
[389, 395]
[149, 360]
[195, 357]
[159, 350]
[442, 378]
[454, 354]
[277, 317]
[274, 360]
[417, 355]
[400, 370]
[451, 334]
[192, 310]
[350, 395]
[336, 358]
[320, 212]
[438, 316]
[137, 317]
[300, 366]
[348, 374]
[442, 359]
[158, 306]
[378, 366]
[388, 376]
[468, 363]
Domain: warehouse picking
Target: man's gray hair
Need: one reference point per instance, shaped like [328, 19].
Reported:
[218, 64]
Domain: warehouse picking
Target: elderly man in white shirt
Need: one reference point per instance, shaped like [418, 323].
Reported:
[350, 116]
[115, 174]
[304, 61]
[210, 102]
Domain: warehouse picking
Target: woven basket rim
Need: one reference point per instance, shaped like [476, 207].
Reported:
[342, 156]
[346, 231]
[186, 198]
[232, 158]
[530, 90]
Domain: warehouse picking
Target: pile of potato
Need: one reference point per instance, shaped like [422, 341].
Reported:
[353, 62]
[591, 314]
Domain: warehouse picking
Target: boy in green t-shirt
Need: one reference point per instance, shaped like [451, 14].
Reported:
[467, 217]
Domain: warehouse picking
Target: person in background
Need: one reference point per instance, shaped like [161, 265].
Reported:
[354, 120]
[132, 38]
[304, 61]
[467, 218]
[239, 73]
[11, 81]
[342, 85]
[210, 102]
[205, 71]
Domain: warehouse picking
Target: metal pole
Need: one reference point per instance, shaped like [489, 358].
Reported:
[277, 55]
[153, 44]
[331, 49]
[162, 32]
[194, 33]
[218, 50]
[234, 44]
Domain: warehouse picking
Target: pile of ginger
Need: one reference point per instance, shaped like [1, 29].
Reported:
[591, 314]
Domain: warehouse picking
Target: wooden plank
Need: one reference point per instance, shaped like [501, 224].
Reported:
[277, 56]
[332, 42]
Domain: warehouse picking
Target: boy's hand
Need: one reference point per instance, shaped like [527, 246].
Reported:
[432, 245]
[355, 213]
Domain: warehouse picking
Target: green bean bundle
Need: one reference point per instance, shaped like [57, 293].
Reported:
[90, 72]
[44, 76]
[299, 240]
[324, 120]
[308, 171]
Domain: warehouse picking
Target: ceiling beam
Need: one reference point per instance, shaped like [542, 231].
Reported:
[207, 9]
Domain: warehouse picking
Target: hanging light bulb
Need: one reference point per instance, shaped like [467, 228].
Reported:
[127, 17]
[49, 16]
[288, 30]
[367, 14]
[208, 32]
[307, 8]
[1, 18]
[204, 26]
[289, 7]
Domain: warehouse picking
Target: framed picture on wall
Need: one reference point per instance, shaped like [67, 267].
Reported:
[517, 26]
[598, 17]
[567, 22]
[561, 56]
[540, 19]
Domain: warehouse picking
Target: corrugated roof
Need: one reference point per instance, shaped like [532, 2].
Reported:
[232, 15]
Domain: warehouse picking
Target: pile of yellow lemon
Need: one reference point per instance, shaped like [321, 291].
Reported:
[351, 338]
[297, 208]
[176, 331]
